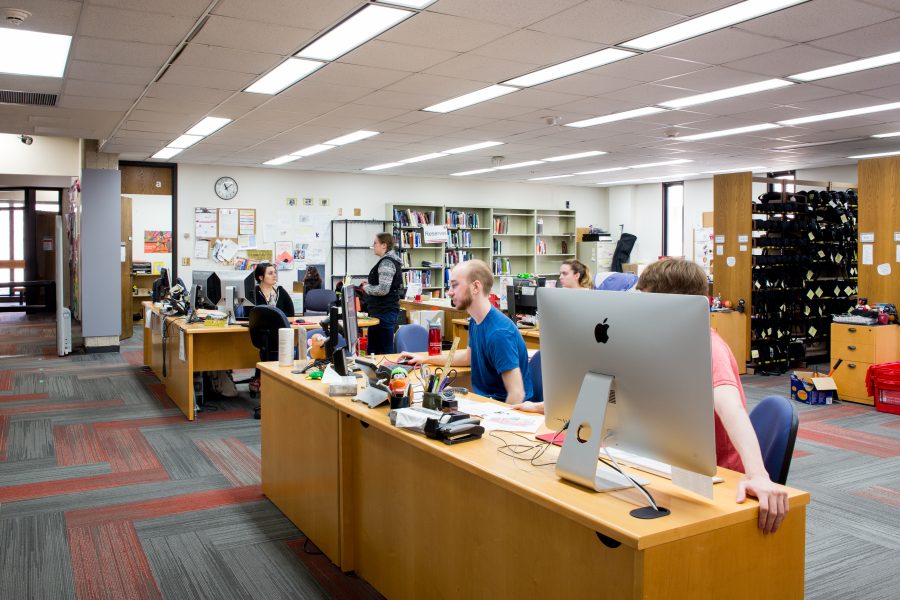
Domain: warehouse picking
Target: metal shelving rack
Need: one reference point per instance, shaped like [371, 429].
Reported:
[346, 248]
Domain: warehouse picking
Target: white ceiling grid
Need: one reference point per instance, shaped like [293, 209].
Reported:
[455, 47]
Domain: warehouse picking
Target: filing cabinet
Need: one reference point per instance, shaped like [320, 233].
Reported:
[859, 347]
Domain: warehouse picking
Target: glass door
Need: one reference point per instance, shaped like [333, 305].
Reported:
[12, 237]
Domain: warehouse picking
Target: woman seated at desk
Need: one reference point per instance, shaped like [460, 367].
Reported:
[269, 292]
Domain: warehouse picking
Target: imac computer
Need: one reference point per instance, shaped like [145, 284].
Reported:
[632, 371]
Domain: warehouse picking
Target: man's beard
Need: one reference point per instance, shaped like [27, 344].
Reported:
[462, 301]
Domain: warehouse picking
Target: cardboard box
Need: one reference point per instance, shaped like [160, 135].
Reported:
[808, 388]
[636, 268]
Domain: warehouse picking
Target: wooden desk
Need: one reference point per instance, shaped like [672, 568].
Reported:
[450, 313]
[732, 327]
[417, 518]
[532, 337]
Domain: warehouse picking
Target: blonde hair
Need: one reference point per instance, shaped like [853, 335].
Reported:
[582, 270]
[478, 270]
[674, 276]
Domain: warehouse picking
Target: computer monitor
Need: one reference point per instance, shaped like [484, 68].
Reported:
[349, 317]
[632, 371]
[521, 300]
[242, 280]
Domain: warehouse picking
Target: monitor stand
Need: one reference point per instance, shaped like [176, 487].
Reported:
[578, 459]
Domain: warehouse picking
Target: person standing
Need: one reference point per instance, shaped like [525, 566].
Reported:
[382, 289]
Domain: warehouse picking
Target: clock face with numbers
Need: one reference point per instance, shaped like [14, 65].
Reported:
[226, 188]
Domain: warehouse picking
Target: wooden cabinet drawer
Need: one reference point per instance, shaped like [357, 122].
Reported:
[865, 343]
[853, 350]
[850, 378]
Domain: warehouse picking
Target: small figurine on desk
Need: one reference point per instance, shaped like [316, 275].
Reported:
[717, 302]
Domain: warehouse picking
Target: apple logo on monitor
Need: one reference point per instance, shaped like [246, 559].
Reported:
[601, 332]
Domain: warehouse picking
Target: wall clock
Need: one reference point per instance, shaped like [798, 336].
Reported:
[226, 188]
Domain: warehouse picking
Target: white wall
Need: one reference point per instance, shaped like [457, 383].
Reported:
[46, 156]
[838, 173]
[639, 209]
[149, 213]
[266, 190]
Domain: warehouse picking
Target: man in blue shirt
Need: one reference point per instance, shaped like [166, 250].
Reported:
[496, 352]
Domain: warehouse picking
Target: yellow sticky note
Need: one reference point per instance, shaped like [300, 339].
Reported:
[754, 353]
[819, 292]
[838, 257]
[813, 331]
[810, 294]
[821, 254]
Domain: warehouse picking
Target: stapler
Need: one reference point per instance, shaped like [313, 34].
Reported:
[454, 430]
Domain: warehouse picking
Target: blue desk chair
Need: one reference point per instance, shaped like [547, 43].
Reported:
[775, 421]
[537, 378]
[411, 338]
[316, 302]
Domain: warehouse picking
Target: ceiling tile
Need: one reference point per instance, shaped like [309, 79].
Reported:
[685, 7]
[606, 21]
[537, 48]
[647, 94]
[228, 59]
[538, 98]
[864, 80]
[790, 61]
[711, 79]
[866, 41]
[24, 83]
[52, 16]
[401, 99]
[94, 103]
[132, 25]
[358, 76]
[720, 47]
[78, 87]
[184, 107]
[313, 14]
[444, 32]
[188, 92]
[587, 84]
[267, 38]
[401, 57]
[107, 73]
[316, 90]
[481, 68]
[121, 52]
[210, 78]
[498, 11]
[650, 67]
[184, 8]
[816, 20]
[445, 87]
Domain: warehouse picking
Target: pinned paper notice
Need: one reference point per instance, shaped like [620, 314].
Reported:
[743, 247]
[897, 236]
[884, 269]
[730, 261]
[868, 254]
[867, 237]
[720, 239]
[181, 355]
[743, 239]
[898, 252]
[720, 250]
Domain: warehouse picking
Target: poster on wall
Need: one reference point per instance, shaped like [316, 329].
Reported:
[247, 221]
[228, 223]
[157, 242]
[205, 220]
[284, 256]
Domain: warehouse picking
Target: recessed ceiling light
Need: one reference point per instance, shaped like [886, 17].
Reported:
[409, 3]
[475, 172]
[310, 150]
[876, 155]
[849, 67]
[526, 163]
[610, 170]
[185, 141]
[488, 93]
[548, 177]
[727, 132]
[619, 182]
[813, 144]
[677, 161]
[282, 160]
[354, 31]
[284, 75]
[208, 125]
[33, 53]
[628, 114]
[352, 137]
[383, 166]
[741, 90]
[472, 147]
[672, 177]
[570, 67]
[422, 157]
[718, 19]
[886, 135]
[756, 169]
[574, 156]
[842, 114]
[166, 153]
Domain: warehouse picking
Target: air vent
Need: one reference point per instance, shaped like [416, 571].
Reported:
[30, 98]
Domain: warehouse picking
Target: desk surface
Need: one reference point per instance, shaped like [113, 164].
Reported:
[606, 513]
[199, 327]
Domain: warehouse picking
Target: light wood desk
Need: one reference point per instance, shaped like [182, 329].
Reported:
[532, 337]
[190, 348]
[420, 519]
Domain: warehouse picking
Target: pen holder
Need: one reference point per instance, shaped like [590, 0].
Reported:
[432, 400]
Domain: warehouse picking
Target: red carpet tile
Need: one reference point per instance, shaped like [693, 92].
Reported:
[5, 378]
[4, 427]
[880, 494]
[233, 459]
[848, 439]
[150, 509]
[333, 581]
[179, 419]
[57, 406]
[159, 392]
[835, 411]
[23, 397]
[892, 424]
[128, 450]
[46, 489]
[800, 454]
[77, 445]
[109, 562]
[134, 358]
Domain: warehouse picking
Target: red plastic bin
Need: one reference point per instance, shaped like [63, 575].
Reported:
[883, 383]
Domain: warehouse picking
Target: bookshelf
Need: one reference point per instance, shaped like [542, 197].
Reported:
[510, 240]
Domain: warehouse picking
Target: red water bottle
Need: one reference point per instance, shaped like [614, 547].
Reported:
[363, 343]
[434, 339]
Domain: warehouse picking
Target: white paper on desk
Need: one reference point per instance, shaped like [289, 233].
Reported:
[695, 482]
[512, 420]
[868, 254]
[181, 355]
[331, 377]
[479, 409]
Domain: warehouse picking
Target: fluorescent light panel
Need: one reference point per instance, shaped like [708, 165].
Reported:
[719, 19]
[310, 150]
[166, 153]
[756, 169]
[282, 160]
[284, 75]
[849, 67]
[409, 3]
[354, 31]
[33, 52]
[185, 141]
[619, 182]
[886, 135]
[208, 126]
[727, 132]
[472, 147]
[383, 166]
[352, 137]
[548, 177]
[570, 67]
[474, 172]
[574, 156]
[741, 90]
[610, 170]
[488, 93]
[853, 112]
[628, 114]
[677, 161]
[876, 155]
[526, 163]
[422, 157]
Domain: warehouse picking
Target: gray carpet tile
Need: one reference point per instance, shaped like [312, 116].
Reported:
[179, 455]
[34, 558]
[25, 472]
[851, 568]
[29, 438]
[271, 571]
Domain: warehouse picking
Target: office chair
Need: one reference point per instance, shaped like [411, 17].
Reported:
[775, 421]
[537, 378]
[316, 302]
[411, 338]
[264, 323]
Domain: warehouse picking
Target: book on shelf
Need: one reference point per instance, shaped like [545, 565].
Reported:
[454, 257]
[498, 247]
[414, 218]
[501, 266]
[412, 239]
[540, 247]
[501, 225]
[459, 239]
[423, 278]
[461, 219]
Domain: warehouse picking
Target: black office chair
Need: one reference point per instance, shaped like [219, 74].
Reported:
[776, 421]
[264, 323]
[316, 302]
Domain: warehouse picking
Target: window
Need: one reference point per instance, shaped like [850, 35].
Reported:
[673, 219]
[12, 235]
[790, 188]
[47, 201]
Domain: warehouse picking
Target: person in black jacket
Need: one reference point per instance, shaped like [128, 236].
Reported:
[269, 292]
[383, 294]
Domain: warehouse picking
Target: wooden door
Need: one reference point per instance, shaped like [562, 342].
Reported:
[127, 295]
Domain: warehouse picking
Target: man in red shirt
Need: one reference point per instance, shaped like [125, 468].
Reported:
[737, 447]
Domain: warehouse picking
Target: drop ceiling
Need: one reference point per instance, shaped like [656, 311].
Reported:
[118, 88]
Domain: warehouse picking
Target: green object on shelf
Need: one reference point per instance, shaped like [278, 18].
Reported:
[525, 275]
